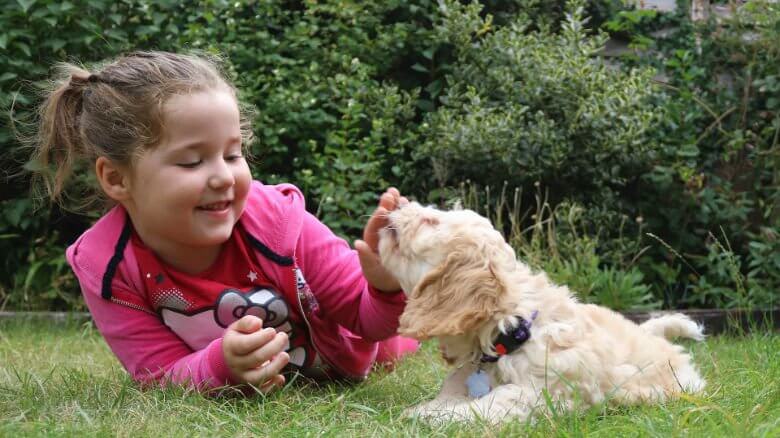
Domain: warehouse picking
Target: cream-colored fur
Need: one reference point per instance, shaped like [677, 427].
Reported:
[464, 282]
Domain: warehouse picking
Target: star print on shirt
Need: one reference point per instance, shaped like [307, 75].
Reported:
[252, 276]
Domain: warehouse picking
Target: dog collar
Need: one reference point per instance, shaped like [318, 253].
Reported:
[506, 343]
[478, 383]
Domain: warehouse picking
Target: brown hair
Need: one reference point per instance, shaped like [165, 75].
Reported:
[115, 111]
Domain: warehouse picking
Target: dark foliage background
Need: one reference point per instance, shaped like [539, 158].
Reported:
[635, 192]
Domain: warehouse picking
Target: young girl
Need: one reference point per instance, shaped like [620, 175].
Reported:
[199, 275]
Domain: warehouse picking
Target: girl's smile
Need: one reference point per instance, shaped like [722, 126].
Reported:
[216, 207]
[187, 193]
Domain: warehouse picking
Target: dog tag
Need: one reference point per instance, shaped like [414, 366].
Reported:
[478, 384]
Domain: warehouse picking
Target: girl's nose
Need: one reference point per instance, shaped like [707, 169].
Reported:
[221, 176]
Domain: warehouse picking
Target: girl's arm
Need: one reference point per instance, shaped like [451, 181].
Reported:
[333, 272]
[152, 353]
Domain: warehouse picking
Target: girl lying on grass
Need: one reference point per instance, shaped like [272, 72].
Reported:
[199, 275]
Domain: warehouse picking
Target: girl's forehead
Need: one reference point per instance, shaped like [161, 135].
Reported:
[199, 103]
[202, 117]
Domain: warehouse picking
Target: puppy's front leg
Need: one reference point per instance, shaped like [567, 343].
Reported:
[502, 402]
[453, 392]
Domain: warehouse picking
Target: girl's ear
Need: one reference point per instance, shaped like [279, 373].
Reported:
[113, 179]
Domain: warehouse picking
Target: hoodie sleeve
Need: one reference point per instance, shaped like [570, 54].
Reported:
[151, 353]
[146, 347]
[332, 270]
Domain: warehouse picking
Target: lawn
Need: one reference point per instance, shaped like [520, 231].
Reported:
[61, 379]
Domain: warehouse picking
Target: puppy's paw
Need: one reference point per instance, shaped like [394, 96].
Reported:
[412, 412]
[435, 413]
[421, 411]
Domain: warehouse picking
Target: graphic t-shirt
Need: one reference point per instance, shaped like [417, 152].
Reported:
[199, 307]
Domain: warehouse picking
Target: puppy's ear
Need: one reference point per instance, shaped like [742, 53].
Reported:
[454, 298]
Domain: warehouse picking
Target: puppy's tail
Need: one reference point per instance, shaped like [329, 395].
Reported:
[674, 326]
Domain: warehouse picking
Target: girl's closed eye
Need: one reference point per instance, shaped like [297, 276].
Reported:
[233, 157]
[189, 164]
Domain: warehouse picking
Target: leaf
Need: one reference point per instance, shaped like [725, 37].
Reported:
[99, 5]
[419, 67]
[56, 44]
[23, 47]
[425, 105]
[363, 408]
[115, 34]
[30, 277]
[435, 87]
[16, 211]
[688, 151]
[25, 4]
[146, 30]
[3, 40]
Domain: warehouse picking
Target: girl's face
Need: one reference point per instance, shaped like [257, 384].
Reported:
[187, 193]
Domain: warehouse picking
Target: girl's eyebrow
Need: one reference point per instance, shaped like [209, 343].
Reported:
[196, 144]
[186, 146]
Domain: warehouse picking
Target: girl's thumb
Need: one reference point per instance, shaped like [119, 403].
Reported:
[367, 257]
[248, 324]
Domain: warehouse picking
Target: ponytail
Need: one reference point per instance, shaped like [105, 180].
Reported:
[60, 143]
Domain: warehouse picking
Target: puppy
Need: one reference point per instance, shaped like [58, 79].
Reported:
[512, 334]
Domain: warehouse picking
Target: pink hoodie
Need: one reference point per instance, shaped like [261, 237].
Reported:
[345, 327]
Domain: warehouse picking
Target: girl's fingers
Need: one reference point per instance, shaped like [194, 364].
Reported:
[375, 273]
[259, 356]
[244, 344]
[395, 193]
[258, 376]
[389, 201]
[275, 382]
[377, 221]
[247, 324]
[368, 258]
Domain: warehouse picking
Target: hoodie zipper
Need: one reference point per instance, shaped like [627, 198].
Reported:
[131, 305]
[325, 358]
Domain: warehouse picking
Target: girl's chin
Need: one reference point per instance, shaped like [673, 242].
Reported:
[214, 235]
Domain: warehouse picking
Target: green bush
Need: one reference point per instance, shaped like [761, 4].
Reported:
[314, 72]
[675, 186]
[325, 120]
[34, 274]
[338, 88]
[716, 172]
[687, 160]
[536, 107]
[554, 239]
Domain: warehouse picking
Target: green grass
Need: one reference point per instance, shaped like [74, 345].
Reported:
[63, 380]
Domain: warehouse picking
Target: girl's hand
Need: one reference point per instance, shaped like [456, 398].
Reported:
[374, 272]
[254, 354]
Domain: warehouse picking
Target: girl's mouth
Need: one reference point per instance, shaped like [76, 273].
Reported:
[215, 206]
